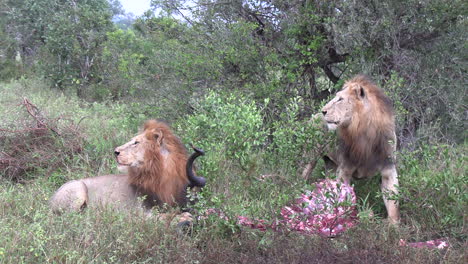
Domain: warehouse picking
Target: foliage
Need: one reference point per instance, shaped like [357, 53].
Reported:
[9, 67]
[123, 54]
[226, 124]
[66, 36]
[296, 142]
[433, 190]
[240, 79]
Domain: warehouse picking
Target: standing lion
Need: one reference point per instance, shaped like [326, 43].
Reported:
[364, 119]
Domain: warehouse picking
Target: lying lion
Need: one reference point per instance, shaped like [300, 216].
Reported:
[159, 172]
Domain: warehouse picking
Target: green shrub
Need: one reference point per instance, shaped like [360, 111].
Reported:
[296, 142]
[226, 127]
[231, 131]
[433, 187]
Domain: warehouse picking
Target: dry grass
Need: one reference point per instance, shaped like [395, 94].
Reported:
[37, 141]
[433, 198]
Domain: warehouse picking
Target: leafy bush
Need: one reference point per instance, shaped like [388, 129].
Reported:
[227, 127]
[230, 129]
[296, 142]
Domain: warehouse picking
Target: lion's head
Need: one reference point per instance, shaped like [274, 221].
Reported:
[339, 111]
[156, 161]
[359, 100]
[364, 117]
[132, 154]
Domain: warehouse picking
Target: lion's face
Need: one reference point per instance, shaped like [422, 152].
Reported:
[132, 153]
[339, 111]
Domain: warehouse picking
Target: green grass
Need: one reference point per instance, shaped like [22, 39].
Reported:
[30, 233]
[433, 201]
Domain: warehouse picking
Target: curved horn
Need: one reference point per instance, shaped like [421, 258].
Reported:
[195, 181]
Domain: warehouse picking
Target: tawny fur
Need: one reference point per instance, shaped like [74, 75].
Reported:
[156, 162]
[164, 176]
[364, 118]
[372, 126]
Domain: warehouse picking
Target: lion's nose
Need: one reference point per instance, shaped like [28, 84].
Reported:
[324, 112]
[116, 153]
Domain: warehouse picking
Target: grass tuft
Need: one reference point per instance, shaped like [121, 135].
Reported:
[433, 193]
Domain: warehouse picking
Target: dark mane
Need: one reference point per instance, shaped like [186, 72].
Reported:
[366, 143]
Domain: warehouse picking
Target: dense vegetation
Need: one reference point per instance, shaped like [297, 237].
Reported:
[240, 79]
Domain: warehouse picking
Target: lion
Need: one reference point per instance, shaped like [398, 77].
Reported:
[158, 173]
[365, 121]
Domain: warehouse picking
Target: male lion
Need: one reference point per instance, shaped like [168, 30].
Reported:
[364, 118]
[159, 172]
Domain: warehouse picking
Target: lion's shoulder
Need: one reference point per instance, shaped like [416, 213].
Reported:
[370, 139]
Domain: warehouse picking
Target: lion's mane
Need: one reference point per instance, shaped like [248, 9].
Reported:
[162, 175]
[365, 120]
[367, 141]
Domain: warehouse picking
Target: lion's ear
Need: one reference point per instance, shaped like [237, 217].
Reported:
[360, 92]
[157, 135]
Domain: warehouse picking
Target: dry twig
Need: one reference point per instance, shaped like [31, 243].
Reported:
[35, 145]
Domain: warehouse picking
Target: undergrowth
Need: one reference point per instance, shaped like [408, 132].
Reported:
[245, 177]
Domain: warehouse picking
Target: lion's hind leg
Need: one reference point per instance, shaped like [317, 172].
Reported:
[72, 196]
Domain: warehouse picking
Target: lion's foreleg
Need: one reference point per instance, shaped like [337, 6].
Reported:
[344, 174]
[181, 221]
[389, 187]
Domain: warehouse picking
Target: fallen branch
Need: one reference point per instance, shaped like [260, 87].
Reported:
[43, 143]
[37, 115]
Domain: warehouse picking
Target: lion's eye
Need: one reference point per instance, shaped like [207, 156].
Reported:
[136, 143]
[340, 99]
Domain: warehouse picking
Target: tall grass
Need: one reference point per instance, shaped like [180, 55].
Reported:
[30, 233]
[433, 194]
[102, 125]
